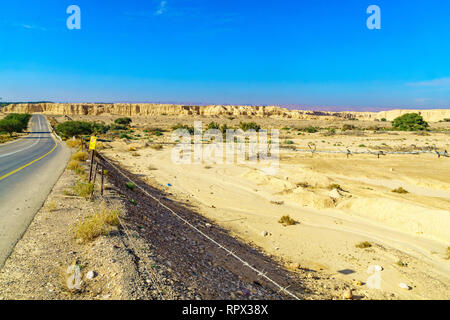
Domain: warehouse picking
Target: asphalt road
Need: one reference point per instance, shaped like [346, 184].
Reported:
[29, 168]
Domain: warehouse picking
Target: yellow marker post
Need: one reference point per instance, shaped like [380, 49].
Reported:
[92, 143]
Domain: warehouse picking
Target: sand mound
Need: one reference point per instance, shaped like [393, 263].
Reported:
[413, 219]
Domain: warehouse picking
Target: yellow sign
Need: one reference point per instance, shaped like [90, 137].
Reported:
[92, 143]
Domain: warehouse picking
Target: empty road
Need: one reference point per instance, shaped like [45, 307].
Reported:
[29, 168]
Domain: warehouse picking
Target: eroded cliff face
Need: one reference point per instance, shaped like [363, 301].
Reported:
[147, 109]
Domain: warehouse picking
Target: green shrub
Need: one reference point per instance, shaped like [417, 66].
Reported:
[410, 122]
[346, 127]
[249, 126]
[130, 185]
[100, 128]
[123, 121]
[213, 125]
[180, 126]
[71, 129]
[14, 122]
[310, 129]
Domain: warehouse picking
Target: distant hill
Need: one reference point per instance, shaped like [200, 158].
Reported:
[148, 109]
[3, 104]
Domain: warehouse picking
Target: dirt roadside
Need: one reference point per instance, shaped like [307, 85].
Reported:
[153, 255]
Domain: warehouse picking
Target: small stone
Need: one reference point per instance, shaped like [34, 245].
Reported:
[404, 286]
[91, 275]
[208, 225]
[357, 283]
[264, 233]
[348, 294]
[245, 292]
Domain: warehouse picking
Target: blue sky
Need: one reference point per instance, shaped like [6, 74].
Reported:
[315, 53]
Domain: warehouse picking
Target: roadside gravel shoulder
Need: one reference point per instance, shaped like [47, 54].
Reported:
[37, 267]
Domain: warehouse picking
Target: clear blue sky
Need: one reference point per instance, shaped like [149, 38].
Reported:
[307, 53]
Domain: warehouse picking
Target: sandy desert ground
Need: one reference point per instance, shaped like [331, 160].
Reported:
[337, 202]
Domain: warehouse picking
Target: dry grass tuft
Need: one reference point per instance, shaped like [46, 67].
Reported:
[96, 225]
[73, 143]
[80, 156]
[400, 263]
[83, 189]
[52, 206]
[156, 146]
[74, 165]
[287, 221]
[303, 185]
[335, 186]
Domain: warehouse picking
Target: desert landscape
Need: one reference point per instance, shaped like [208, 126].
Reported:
[357, 194]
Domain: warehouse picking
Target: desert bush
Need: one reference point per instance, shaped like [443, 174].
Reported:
[303, 184]
[399, 190]
[180, 126]
[10, 126]
[401, 263]
[213, 125]
[123, 121]
[363, 245]
[346, 127]
[286, 221]
[410, 122]
[125, 136]
[245, 126]
[100, 128]
[96, 225]
[14, 123]
[309, 129]
[71, 129]
[335, 186]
